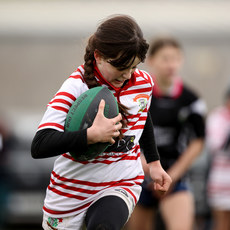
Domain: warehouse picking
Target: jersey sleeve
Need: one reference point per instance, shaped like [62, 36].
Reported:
[197, 118]
[194, 113]
[147, 142]
[50, 138]
[148, 80]
[151, 85]
[59, 106]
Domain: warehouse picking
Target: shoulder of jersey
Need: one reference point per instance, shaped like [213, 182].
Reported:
[78, 74]
[190, 94]
[142, 75]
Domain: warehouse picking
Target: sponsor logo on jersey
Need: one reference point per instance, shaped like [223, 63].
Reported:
[123, 145]
[53, 222]
[142, 100]
[122, 191]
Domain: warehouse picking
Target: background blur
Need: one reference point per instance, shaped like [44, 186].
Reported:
[42, 42]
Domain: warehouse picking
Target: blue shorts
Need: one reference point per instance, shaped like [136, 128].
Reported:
[148, 200]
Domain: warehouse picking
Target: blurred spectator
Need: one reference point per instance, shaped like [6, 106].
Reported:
[218, 142]
[178, 118]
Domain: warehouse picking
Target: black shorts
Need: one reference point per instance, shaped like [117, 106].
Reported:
[148, 200]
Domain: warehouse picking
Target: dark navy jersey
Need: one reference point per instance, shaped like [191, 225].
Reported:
[177, 118]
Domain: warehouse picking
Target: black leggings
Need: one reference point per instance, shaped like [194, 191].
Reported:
[108, 213]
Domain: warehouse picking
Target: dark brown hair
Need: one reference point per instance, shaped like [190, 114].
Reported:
[162, 42]
[119, 39]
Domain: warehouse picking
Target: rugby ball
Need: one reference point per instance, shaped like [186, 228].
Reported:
[82, 114]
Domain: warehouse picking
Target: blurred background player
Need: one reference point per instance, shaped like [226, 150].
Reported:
[218, 144]
[178, 117]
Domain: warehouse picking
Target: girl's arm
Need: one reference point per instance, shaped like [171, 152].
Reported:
[147, 142]
[179, 168]
[50, 142]
[162, 180]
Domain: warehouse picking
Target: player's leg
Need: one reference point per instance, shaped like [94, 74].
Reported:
[141, 218]
[177, 210]
[221, 220]
[228, 218]
[143, 215]
[107, 213]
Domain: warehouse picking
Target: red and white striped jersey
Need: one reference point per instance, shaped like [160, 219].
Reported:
[75, 185]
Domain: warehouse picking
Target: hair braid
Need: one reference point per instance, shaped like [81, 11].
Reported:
[88, 66]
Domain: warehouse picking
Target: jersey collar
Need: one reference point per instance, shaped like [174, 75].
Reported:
[103, 81]
[175, 91]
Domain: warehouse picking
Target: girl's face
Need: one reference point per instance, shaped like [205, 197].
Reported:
[166, 63]
[112, 74]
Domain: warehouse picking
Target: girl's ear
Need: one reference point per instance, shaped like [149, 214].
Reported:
[97, 57]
